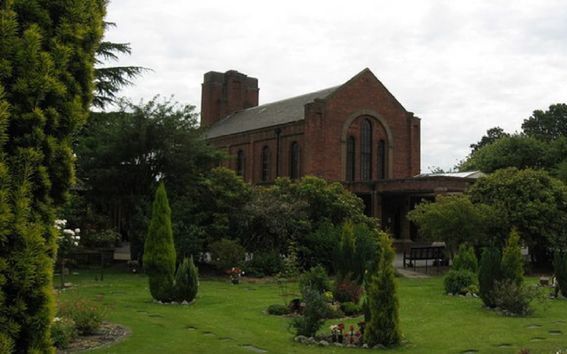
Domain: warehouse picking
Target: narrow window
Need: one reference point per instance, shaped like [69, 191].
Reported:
[382, 159]
[240, 163]
[265, 164]
[366, 150]
[350, 167]
[294, 161]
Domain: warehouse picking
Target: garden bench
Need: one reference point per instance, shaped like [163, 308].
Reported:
[424, 253]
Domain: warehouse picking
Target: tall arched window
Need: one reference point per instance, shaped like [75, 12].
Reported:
[240, 163]
[294, 160]
[350, 157]
[265, 164]
[382, 159]
[366, 150]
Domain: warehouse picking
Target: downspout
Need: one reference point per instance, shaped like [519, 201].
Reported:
[278, 132]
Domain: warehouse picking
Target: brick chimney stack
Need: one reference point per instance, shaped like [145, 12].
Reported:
[223, 94]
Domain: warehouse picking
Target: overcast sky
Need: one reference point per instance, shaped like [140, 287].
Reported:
[461, 66]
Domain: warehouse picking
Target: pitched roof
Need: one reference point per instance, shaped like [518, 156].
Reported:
[267, 115]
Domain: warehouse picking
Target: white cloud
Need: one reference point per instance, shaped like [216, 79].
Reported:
[462, 67]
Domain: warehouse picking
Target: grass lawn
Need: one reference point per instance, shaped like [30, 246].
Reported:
[227, 318]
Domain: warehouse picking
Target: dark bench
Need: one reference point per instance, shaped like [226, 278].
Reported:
[424, 253]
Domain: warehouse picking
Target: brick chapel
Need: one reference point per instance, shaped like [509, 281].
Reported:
[356, 133]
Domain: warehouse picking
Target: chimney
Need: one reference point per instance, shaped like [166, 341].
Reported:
[223, 94]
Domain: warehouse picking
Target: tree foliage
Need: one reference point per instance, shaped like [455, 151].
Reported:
[47, 51]
[512, 261]
[159, 250]
[381, 291]
[492, 135]
[547, 125]
[489, 274]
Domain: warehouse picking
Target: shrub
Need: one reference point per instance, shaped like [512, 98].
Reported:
[345, 258]
[262, 264]
[6, 344]
[381, 293]
[101, 239]
[465, 259]
[159, 251]
[320, 247]
[560, 268]
[512, 265]
[316, 278]
[278, 310]
[87, 315]
[227, 254]
[459, 281]
[63, 331]
[514, 298]
[186, 281]
[347, 290]
[350, 308]
[313, 314]
[489, 274]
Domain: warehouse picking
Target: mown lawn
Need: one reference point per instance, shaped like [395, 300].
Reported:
[226, 318]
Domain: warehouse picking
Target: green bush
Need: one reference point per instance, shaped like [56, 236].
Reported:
[560, 268]
[186, 281]
[316, 279]
[264, 264]
[87, 315]
[6, 344]
[100, 239]
[63, 331]
[350, 309]
[512, 265]
[459, 281]
[278, 310]
[313, 315]
[159, 251]
[320, 247]
[514, 298]
[488, 274]
[381, 293]
[226, 254]
[465, 259]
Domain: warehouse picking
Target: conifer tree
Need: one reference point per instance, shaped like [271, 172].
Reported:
[512, 261]
[489, 273]
[159, 250]
[186, 281]
[46, 70]
[560, 269]
[381, 293]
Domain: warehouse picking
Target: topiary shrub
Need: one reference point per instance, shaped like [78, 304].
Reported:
[512, 265]
[465, 259]
[488, 274]
[560, 268]
[278, 310]
[459, 281]
[226, 254]
[186, 281]
[159, 251]
[63, 331]
[316, 278]
[351, 309]
[313, 314]
[383, 326]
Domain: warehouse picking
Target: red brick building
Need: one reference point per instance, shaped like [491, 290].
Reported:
[356, 133]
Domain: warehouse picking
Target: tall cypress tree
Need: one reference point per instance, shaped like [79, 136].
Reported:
[47, 53]
[159, 250]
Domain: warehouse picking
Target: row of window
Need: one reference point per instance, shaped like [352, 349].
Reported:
[294, 161]
[365, 155]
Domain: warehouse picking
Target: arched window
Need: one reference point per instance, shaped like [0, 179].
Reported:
[265, 164]
[382, 159]
[350, 157]
[240, 163]
[366, 150]
[294, 160]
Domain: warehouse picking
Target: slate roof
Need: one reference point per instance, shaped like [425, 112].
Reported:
[468, 174]
[266, 115]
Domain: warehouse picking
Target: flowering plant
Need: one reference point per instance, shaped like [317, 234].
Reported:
[68, 240]
[235, 274]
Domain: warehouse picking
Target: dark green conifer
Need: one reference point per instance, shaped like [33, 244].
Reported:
[489, 273]
[159, 251]
[186, 281]
[512, 261]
